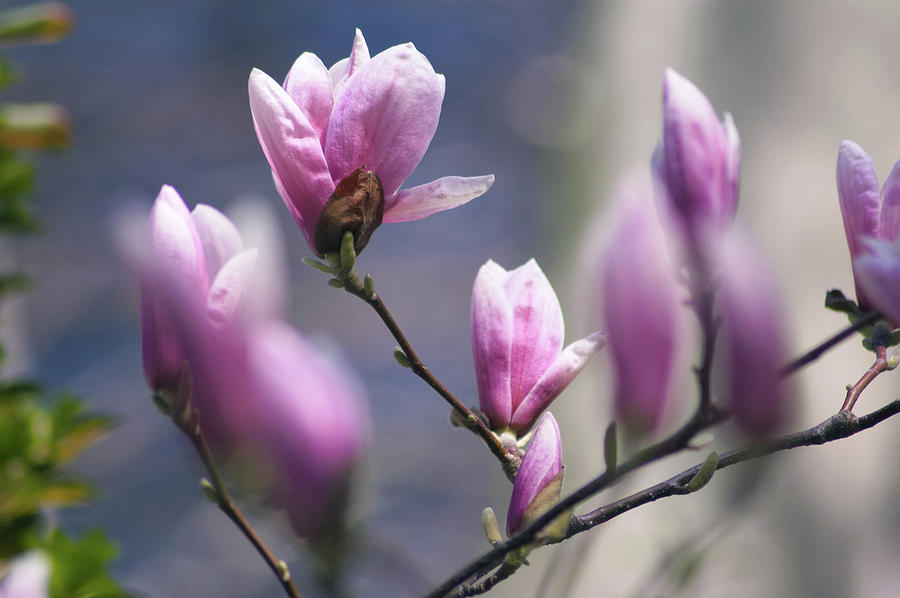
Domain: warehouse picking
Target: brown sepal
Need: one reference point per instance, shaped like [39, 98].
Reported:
[357, 205]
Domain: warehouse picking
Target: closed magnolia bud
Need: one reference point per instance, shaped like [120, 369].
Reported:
[538, 482]
[640, 303]
[517, 338]
[867, 212]
[699, 158]
[753, 344]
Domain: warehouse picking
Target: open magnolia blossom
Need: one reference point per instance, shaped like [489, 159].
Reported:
[517, 343]
[538, 483]
[868, 213]
[202, 250]
[363, 115]
[699, 159]
[878, 277]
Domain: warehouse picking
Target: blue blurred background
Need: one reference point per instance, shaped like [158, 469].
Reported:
[555, 98]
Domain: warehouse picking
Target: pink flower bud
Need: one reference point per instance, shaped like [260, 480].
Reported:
[376, 113]
[699, 160]
[867, 212]
[173, 247]
[517, 336]
[640, 303]
[538, 482]
[753, 343]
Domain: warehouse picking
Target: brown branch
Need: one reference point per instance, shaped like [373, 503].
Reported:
[880, 365]
[223, 499]
[828, 344]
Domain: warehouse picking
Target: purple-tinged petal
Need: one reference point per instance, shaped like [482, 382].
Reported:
[492, 338]
[557, 377]
[219, 236]
[292, 148]
[640, 307]
[538, 328]
[309, 85]
[341, 71]
[860, 200]
[313, 424]
[753, 347]
[694, 148]
[541, 466]
[228, 291]
[385, 117]
[174, 251]
[438, 195]
[878, 274]
[889, 224]
[732, 167]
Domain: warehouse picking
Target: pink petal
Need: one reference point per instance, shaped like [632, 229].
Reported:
[889, 224]
[292, 148]
[228, 290]
[557, 377]
[860, 200]
[541, 464]
[878, 274]
[732, 166]
[309, 85]
[492, 336]
[438, 195]
[343, 69]
[221, 239]
[385, 117]
[538, 328]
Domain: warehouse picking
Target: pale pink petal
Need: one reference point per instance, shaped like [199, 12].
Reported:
[438, 195]
[385, 117]
[889, 224]
[733, 166]
[227, 292]
[221, 239]
[540, 466]
[338, 74]
[538, 328]
[309, 85]
[492, 337]
[878, 274]
[860, 200]
[557, 377]
[342, 70]
[292, 148]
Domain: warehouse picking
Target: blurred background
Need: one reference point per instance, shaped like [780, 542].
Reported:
[557, 98]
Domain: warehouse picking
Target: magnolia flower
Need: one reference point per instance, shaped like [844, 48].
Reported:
[866, 211]
[877, 272]
[517, 340]
[640, 308]
[258, 385]
[699, 160]
[364, 117]
[204, 253]
[538, 482]
[753, 343]
[28, 576]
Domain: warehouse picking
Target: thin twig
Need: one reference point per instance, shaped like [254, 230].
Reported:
[841, 425]
[829, 343]
[509, 461]
[192, 429]
[880, 365]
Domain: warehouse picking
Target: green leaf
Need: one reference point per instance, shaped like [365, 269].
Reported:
[836, 301]
[79, 567]
[13, 283]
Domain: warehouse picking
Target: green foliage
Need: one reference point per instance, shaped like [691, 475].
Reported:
[880, 334]
[79, 567]
[16, 183]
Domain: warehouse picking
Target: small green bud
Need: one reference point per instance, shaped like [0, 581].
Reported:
[283, 572]
[705, 474]
[401, 357]
[317, 265]
[490, 526]
[334, 260]
[348, 253]
[369, 286]
[209, 491]
[611, 447]
[336, 283]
